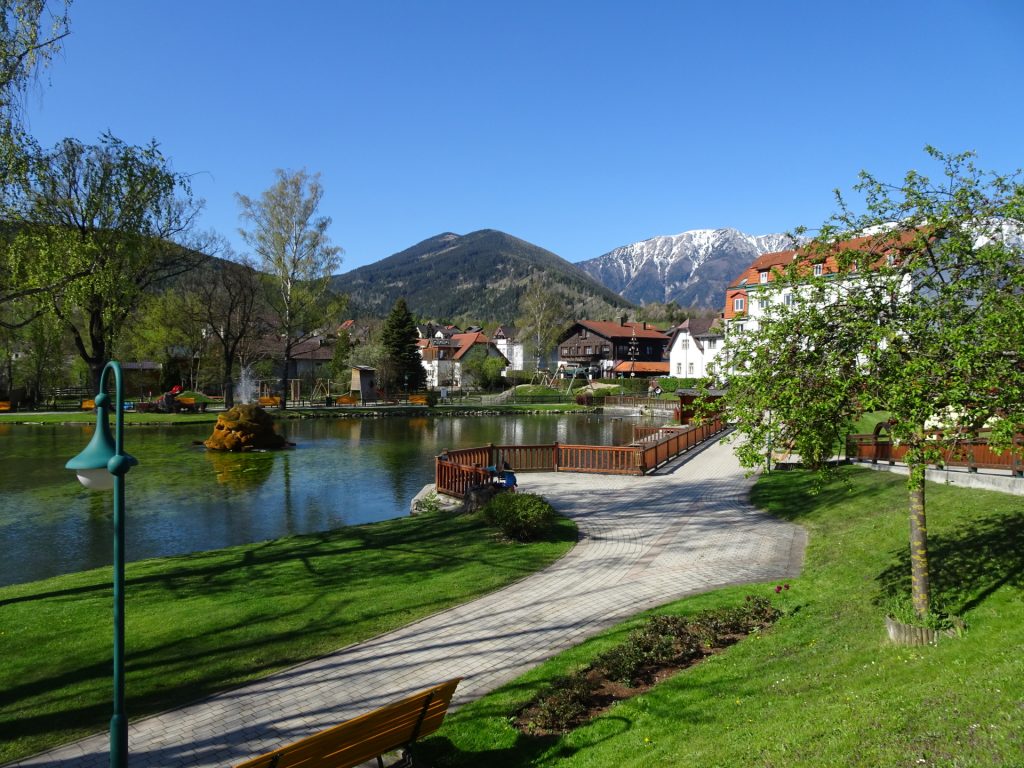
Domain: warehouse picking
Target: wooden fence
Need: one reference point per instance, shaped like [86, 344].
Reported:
[634, 401]
[674, 441]
[459, 470]
[974, 454]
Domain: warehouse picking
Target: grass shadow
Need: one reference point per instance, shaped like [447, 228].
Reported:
[966, 565]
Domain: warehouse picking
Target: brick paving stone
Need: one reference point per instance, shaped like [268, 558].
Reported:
[644, 541]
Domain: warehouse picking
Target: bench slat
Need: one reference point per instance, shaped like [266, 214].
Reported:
[364, 737]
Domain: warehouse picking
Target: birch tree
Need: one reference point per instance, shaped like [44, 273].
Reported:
[290, 240]
[543, 315]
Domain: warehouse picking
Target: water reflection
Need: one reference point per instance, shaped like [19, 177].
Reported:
[240, 471]
[183, 499]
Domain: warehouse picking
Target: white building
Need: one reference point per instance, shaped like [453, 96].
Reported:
[442, 356]
[695, 343]
[504, 338]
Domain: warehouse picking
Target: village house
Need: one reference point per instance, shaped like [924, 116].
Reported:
[443, 356]
[752, 292]
[598, 348]
[504, 338]
[696, 343]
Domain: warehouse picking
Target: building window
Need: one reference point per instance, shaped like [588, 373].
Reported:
[565, 351]
[583, 333]
[789, 299]
[763, 276]
[818, 269]
[738, 304]
[690, 368]
[586, 350]
[684, 344]
[738, 327]
[712, 343]
[679, 368]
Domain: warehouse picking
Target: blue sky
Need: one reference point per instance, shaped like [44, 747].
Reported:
[579, 126]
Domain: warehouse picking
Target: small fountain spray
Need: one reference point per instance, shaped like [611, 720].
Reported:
[246, 389]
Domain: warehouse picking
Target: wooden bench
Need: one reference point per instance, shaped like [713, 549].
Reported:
[5, 405]
[269, 402]
[417, 399]
[345, 400]
[355, 741]
[88, 405]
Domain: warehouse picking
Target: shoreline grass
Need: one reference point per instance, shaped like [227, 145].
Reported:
[823, 686]
[206, 622]
[209, 417]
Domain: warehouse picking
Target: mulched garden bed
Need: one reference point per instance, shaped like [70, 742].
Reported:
[662, 647]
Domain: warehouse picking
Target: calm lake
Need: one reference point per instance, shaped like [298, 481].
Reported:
[183, 499]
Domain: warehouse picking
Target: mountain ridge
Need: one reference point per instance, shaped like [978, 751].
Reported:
[692, 268]
[481, 275]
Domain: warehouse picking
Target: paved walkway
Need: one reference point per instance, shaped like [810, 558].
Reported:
[644, 541]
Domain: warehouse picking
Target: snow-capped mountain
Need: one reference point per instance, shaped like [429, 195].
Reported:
[692, 268]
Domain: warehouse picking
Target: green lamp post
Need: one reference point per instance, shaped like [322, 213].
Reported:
[100, 466]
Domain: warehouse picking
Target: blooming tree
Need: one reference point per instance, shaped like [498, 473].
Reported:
[922, 318]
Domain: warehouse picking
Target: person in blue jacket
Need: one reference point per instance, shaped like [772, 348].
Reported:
[509, 478]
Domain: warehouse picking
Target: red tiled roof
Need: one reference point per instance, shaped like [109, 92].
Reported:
[466, 342]
[881, 244]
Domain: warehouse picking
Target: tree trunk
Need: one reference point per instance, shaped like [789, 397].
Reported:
[919, 588]
[283, 402]
[95, 371]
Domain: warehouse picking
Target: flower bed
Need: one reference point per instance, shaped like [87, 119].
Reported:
[657, 650]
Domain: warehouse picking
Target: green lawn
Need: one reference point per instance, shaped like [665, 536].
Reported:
[822, 687]
[204, 622]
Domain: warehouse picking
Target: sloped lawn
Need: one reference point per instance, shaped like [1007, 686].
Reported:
[822, 686]
[201, 623]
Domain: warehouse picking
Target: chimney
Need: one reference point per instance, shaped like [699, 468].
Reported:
[645, 325]
[622, 321]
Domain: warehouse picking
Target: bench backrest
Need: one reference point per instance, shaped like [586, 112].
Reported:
[365, 737]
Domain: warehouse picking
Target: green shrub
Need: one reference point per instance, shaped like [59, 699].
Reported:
[662, 641]
[520, 516]
[564, 704]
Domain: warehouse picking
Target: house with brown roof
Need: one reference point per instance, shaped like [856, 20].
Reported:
[597, 347]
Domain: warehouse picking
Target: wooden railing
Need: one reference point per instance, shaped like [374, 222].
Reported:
[456, 479]
[480, 457]
[602, 459]
[974, 454]
[527, 458]
[459, 470]
[631, 401]
[677, 440]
